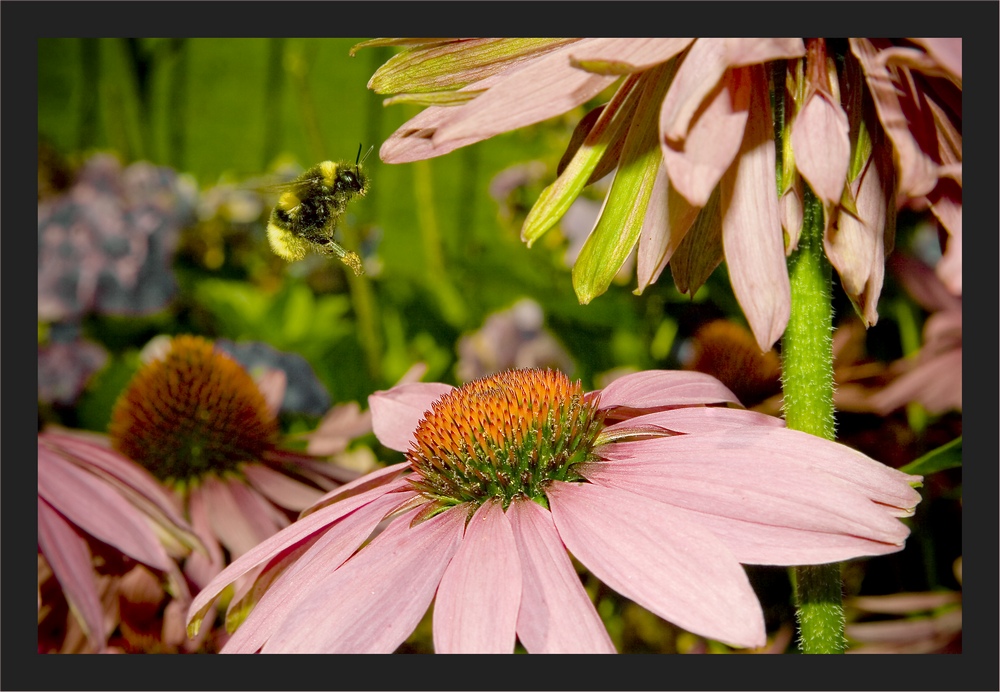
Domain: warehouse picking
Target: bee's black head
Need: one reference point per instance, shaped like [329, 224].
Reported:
[348, 180]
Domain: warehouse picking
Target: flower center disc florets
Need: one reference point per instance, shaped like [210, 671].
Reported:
[503, 436]
[192, 411]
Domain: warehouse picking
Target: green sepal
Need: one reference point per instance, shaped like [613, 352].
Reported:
[454, 65]
[556, 199]
[624, 211]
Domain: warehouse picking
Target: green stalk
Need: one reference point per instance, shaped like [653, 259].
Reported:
[807, 382]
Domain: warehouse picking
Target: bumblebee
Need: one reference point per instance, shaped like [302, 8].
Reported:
[311, 206]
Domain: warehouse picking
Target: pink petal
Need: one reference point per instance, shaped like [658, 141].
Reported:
[880, 483]
[539, 90]
[556, 615]
[138, 484]
[397, 411]
[281, 489]
[695, 419]
[899, 111]
[339, 426]
[851, 245]
[307, 563]
[630, 54]
[653, 555]
[947, 52]
[791, 214]
[97, 509]
[372, 603]
[696, 164]
[381, 477]
[751, 227]
[201, 567]
[660, 388]
[412, 141]
[822, 146]
[705, 64]
[237, 515]
[922, 283]
[69, 557]
[476, 607]
[946, 204]
[668, 218]
[935, 383]
[750, 484]
[298, 531]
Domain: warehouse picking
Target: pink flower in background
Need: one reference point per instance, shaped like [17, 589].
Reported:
[933, 375]
[98, 516]
[658, 491]
[198, 422]
[690, 131]
[906, 623]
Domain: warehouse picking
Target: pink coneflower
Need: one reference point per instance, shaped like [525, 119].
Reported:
[198, 422]
[690, 133]
[659, 492]
[99, 517]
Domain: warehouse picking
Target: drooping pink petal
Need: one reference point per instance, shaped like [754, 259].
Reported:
[546, 87]
[696, 164]
[202, 566]
[947, 52]
[268, 549]
[668, 218]
[751, 486]
[138, 485]
[822, 146]
[751, 227]
[95, 507]
[69, 557]
[922, 283]
[936, 383]
[792, 211]
[304, 569]
[628, 54]
[704, 65]
[280, 488]
[653, 555]
[660, 388]
[397, 411]
[902, 115]
[374, 600]
[851, 244]
[476, 607]
[695, 419]
[946, 204]
[413, 141]
[237, 515]
[556, 614]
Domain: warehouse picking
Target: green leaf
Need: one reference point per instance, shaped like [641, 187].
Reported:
[947, 456]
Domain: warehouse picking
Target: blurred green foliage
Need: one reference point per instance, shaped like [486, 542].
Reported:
[228, 111]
